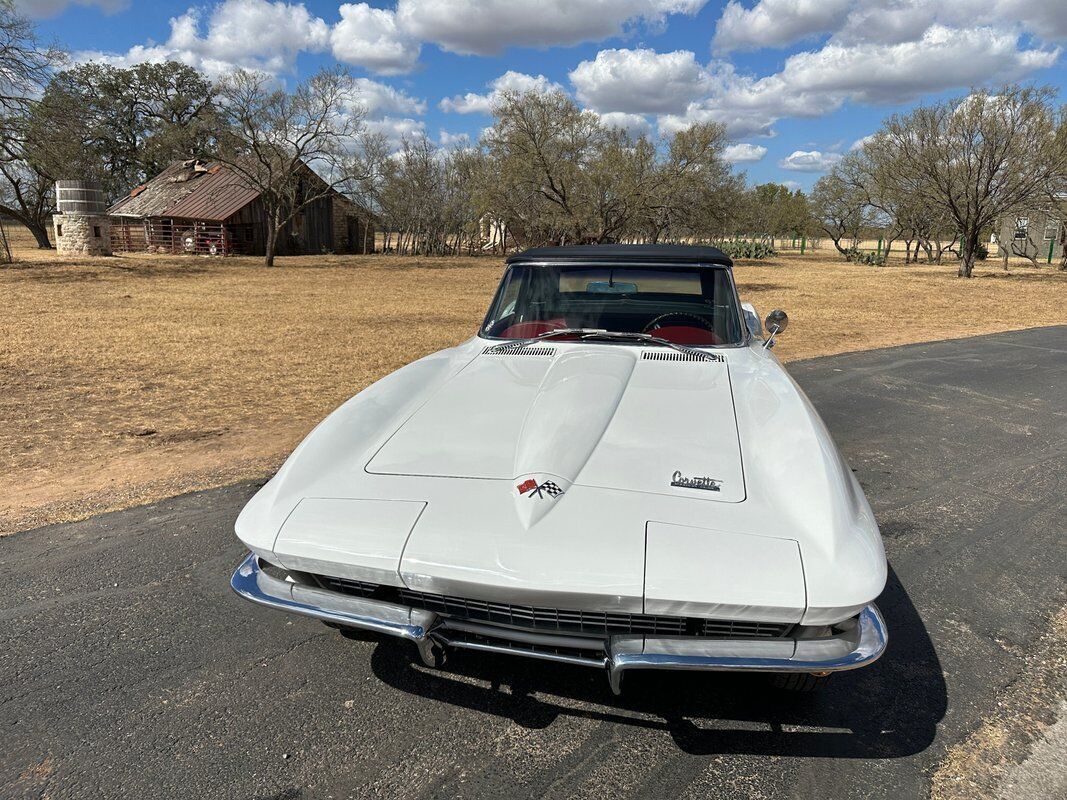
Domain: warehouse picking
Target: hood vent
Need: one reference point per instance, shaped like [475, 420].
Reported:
[674, 355]
[517, 350]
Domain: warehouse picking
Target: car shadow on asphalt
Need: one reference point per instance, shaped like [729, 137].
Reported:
[888, 710]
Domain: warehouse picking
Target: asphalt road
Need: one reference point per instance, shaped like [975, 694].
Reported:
[129, 669]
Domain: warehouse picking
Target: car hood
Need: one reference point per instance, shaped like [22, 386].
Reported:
[544, 476]
[643, 420]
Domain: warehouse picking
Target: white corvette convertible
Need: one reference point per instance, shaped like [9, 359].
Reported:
[615, 472]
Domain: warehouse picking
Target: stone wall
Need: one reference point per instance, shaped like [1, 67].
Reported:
[343, 210]
[86, 235]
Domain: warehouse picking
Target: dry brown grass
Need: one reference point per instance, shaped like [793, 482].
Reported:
[132, 378]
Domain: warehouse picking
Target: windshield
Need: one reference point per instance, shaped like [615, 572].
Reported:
[686, 305]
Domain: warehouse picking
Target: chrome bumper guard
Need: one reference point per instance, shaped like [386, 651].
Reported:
[857, 646]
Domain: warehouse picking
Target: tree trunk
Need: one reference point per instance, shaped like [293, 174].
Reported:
[970, 246]
[40, 233]
[837, 243]
[270, 245]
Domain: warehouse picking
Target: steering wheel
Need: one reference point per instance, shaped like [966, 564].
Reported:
[682, 318]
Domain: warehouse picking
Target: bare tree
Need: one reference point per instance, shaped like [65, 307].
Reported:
[982, 157]
[840, 209]
[542, 145]
[557, 174]
[294, 148]
[25, 66]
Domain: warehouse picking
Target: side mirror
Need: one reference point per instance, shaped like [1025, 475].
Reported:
[776, 322]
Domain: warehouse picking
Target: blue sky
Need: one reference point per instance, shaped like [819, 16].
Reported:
[797, 82]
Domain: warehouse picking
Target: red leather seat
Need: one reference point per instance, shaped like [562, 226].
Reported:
[528, 330]
[686, 334]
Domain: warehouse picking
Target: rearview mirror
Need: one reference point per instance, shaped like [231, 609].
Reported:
[606, 287]
[776, 322]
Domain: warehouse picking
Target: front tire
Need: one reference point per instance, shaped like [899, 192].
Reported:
[804, 682]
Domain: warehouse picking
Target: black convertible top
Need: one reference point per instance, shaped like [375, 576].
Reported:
[664, 254]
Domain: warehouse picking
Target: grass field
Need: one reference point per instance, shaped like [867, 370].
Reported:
[132, 378]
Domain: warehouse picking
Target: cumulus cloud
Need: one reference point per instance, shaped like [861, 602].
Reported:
[744, 153]
[380, 99]
[370, 37]
[812, 84]
[809, 161]
[640, 81]
[453, 140]
[774, 23]
[861, 142]
[487, 27]
[942, 58]
[634, 124]
[254, 34]
[510, 81]
[395, 129]
[49, 8]
[778, 23]
[387, 110]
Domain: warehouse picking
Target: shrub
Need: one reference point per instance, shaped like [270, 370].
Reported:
[870, 257]
[741, 248]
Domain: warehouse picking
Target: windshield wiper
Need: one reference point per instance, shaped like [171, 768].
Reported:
[603, 333]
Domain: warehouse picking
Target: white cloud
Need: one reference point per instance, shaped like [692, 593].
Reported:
[634, 124]
[396, 128]
[370, 37]
[860, 143]
[254, 34]
[774, 23]
[744, 153]
[487, 27]
[389, 111]
[380, 99]
[50, 8]
[451, 140]
[778, 23]
[943, 58]
[640, 81]
[809, 161]
[510, 81]
[812, 84]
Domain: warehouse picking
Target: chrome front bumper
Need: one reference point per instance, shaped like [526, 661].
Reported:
[859, 645]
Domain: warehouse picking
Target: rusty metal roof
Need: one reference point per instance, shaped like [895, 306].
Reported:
[219, 195]
[196, 190]
[206, 190]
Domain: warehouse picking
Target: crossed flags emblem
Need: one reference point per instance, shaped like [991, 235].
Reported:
[535, 489]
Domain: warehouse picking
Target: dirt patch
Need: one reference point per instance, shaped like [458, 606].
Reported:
[1024, 711]
[127, 379]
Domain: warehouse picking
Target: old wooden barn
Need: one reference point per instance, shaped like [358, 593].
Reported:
[205, 207]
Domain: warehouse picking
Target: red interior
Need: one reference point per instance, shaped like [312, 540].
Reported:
[686, 334]
[679, 334]
[528, 330]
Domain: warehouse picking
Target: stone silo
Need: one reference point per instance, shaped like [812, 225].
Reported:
[82, 226]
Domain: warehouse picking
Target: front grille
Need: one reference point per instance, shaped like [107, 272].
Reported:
[558, 620]
[737, 629]
[349, 586]
[590, 623]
